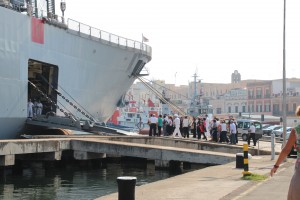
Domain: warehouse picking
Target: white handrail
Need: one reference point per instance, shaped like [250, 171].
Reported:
[84, 29]
[109, 37]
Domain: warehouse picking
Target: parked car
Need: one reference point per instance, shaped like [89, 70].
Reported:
[268, 131]
[264, 126]
[279, 132]
[293, 150]
[243, 126]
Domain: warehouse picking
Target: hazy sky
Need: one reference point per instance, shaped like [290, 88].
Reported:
[214, 37]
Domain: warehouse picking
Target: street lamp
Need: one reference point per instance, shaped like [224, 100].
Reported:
[284, 79]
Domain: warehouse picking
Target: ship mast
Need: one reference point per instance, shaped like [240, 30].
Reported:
[192, 109]
[195, 92]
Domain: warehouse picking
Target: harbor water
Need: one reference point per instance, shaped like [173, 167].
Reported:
[38, 180]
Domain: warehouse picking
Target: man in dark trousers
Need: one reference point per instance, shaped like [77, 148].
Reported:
[252, 134]
[153, 122]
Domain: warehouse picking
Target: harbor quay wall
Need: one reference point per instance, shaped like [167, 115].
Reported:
[154, 152]
[93, 148]
[48, 149]
[189, 144]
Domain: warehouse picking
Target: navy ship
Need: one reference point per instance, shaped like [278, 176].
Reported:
[72, 68]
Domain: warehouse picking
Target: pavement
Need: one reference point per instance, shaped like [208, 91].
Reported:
[221, 182]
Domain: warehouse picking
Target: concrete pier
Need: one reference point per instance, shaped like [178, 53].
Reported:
[85, 148]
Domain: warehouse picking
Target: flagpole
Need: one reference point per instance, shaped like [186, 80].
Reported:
[284, 79]
[142, 42]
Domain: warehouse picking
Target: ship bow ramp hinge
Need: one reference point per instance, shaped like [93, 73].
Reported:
[138, 68]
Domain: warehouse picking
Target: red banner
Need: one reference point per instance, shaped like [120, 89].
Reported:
[37, 30]
[150, 103]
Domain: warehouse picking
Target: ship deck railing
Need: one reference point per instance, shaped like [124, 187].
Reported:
[84, 30]
[109, 38]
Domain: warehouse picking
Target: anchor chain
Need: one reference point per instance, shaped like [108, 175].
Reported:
[67, 100]
[74, 106]
[50, 100]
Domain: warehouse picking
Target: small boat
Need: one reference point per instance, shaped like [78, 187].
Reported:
[134, 116]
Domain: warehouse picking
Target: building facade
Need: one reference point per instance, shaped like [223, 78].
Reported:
[259, 97]
[255, 97]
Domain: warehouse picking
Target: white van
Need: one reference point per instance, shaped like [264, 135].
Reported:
[243, 126]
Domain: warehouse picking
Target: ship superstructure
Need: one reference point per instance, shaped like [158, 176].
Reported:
[74, 69]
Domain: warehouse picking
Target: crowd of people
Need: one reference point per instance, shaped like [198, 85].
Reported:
[201, 128]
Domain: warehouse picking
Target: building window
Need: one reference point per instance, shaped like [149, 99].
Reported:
[267, 107]
[260, 108]
[219, 110]
[243, 108]
[258, 93]
[229, 109]
[236, 109]
[251, 94]
[294, 106]
[276, 108]
[267, 93]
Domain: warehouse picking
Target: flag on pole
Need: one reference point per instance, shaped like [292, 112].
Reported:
[145, 39]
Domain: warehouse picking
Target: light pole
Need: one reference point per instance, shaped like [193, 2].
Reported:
[63, 8]
[284, 79]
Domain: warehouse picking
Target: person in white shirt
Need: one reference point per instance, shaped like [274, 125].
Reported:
[185, 127]
[207, 125]
[177, 126]
[39, 108]
[223, 135]
[232, 132]
[252, 134]
[34, 108]
[153, 124]
[29, 109]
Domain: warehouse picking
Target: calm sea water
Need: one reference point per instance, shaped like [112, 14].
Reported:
[73, 182]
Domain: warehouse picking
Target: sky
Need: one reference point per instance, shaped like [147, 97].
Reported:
[209, 37]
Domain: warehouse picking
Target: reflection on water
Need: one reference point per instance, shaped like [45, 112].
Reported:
[38, 181]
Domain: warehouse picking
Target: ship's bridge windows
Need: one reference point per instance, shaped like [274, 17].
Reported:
[131, 115]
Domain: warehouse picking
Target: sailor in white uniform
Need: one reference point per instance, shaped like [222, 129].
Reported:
[29, 109]
[177, 126]
[39, 108]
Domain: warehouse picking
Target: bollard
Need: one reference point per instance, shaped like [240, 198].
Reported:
[239, 159]
[126, 187]
[246, 162]
[272, 146]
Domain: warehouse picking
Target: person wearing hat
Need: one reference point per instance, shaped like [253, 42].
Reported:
[177, 126]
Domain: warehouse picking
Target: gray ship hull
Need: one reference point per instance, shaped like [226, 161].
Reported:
[94, 73]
